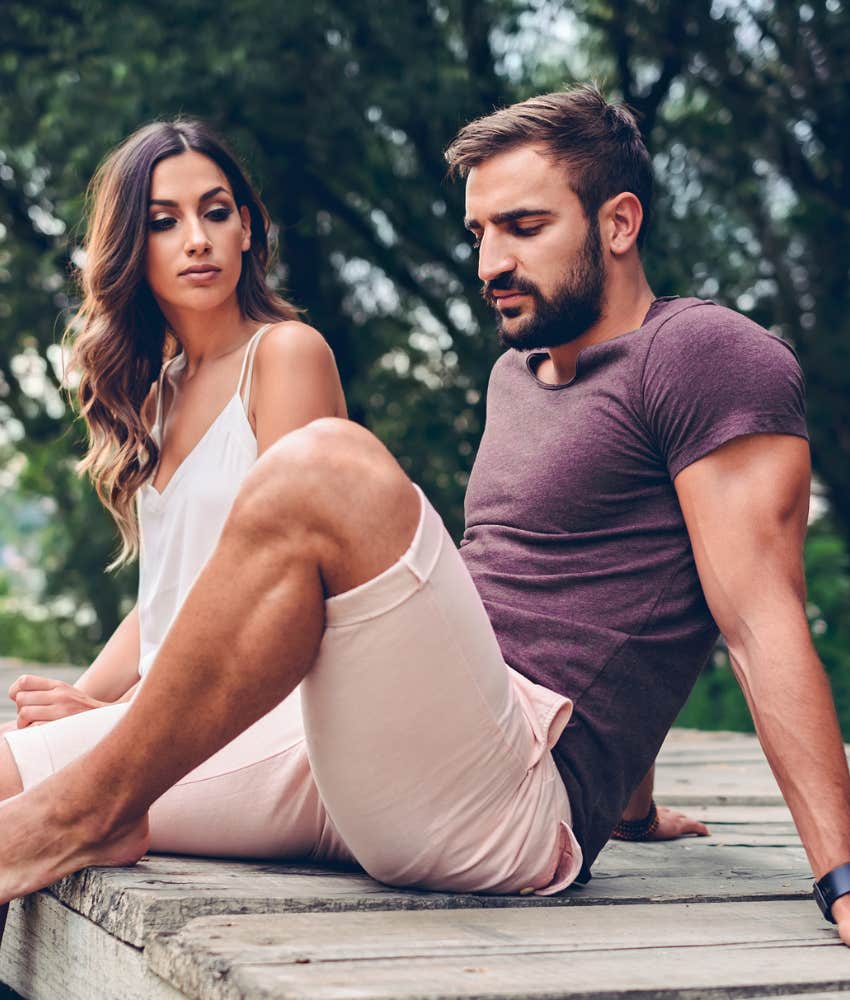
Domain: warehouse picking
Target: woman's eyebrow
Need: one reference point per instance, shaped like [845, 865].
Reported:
[204, 197]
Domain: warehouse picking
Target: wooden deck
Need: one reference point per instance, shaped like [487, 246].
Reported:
[730, 915]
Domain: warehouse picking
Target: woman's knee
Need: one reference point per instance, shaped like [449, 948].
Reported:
[10, 776]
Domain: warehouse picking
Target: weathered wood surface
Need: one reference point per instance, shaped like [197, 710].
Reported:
[50, 952]
[726, 915]
[163, 893]
[682, 950]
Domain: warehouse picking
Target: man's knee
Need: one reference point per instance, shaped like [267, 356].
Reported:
[322, 475]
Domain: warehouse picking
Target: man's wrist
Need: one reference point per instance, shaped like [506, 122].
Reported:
[832, 892]
[638, 829]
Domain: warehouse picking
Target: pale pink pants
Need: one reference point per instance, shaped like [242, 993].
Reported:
[410, 747]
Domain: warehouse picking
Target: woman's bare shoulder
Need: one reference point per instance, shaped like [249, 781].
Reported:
[295, 372]
[293, 341]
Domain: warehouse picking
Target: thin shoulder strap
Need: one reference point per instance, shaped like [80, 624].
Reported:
[159, 393]
[243, 387]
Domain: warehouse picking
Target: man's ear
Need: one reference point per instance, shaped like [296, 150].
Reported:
[245, 216]
[621, 218]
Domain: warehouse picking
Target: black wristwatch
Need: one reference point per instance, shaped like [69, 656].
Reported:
[826, 890]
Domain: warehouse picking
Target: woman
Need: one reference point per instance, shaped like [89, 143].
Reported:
[191, 367]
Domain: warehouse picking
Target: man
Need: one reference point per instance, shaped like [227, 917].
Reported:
[644, 473]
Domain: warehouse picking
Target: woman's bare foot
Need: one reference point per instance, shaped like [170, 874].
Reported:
[45, 834]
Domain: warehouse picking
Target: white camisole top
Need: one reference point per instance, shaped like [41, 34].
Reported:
[180, 526]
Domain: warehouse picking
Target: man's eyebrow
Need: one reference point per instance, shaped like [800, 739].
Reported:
[500, 218]
[204, 197]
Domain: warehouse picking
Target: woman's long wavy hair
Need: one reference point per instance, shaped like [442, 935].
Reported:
[119, 334]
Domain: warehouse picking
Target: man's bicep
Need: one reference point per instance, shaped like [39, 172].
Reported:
[745, 507]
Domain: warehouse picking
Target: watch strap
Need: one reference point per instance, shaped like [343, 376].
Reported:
[832, 886]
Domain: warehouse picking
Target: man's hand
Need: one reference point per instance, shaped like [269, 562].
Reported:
[672, 824]
[40, 699]
[841, 913]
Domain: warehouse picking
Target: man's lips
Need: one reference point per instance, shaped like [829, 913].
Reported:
[507, 296]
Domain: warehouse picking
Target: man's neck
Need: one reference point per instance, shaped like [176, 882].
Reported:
[625, 310]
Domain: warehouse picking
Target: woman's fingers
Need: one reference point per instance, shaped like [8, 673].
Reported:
[31, 682]
[41, 699]
[36, 698]
[33, 714]
[45, 704]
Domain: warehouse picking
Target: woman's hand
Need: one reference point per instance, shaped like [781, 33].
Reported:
[40, 699]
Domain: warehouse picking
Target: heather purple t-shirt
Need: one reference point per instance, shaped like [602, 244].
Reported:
[576, 541]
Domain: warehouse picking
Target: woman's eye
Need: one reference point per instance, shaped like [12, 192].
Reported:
[218, 214]
[159, 225]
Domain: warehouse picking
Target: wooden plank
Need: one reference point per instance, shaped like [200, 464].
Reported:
[749, 783]
[696, 870]
[759, 817]
[51, 953]
[162, 893]
[702, 950]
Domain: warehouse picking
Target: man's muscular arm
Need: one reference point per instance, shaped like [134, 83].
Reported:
[745, 506]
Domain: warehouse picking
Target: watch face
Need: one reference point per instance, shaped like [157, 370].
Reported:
[823, 903]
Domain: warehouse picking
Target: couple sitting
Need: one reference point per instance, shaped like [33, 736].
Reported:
[312, 668]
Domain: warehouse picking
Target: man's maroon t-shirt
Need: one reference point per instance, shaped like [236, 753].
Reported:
[576, 541]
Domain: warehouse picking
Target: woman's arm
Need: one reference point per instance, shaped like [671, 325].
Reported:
[295, 381]
[116, 667]
[112, 675]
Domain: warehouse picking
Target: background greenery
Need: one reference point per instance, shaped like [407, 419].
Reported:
[342, 110]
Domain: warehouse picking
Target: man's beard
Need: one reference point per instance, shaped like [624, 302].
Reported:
[571, 311]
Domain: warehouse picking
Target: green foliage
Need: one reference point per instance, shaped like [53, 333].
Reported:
[342, 111]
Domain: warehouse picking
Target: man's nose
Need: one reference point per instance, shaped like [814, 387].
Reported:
[494, 258]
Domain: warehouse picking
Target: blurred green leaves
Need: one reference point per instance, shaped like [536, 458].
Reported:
[342, 111]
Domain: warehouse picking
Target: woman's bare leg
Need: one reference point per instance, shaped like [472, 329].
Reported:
[10, 784]
[10, 778]
[323, 511]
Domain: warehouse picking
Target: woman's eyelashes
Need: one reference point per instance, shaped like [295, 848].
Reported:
[165, 222]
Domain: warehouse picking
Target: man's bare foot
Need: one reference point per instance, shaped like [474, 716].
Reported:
[43, 837]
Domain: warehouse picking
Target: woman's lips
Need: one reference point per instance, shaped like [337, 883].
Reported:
[201, 277]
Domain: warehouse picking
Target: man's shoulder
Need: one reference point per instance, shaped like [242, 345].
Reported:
[508, 366]
[692, 323]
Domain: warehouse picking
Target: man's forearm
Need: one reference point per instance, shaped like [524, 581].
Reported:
[641, 800]
[794, 714]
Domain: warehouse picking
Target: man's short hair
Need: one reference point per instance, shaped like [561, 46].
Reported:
[599, 143]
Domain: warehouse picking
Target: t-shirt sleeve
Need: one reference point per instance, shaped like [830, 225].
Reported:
[712, 375]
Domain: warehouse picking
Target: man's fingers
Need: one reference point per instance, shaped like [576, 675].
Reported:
[672, 824]
[694, 826]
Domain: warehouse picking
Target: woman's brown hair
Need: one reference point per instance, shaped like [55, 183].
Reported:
[120, 339]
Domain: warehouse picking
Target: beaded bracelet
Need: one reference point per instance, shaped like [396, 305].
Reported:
[637, 829]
